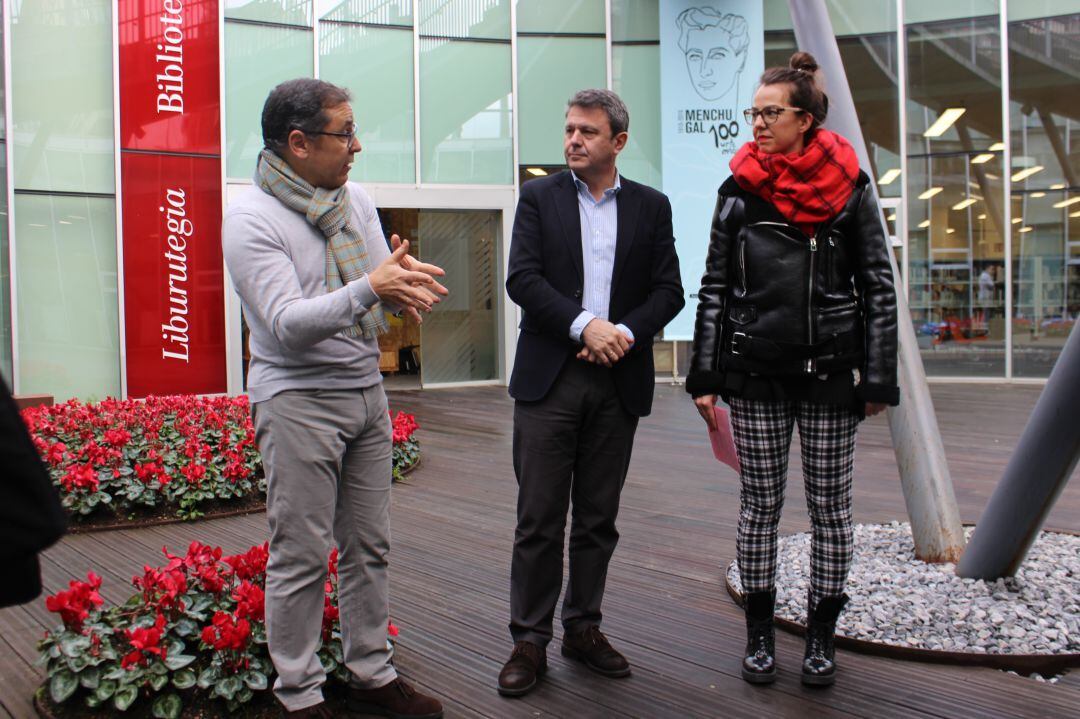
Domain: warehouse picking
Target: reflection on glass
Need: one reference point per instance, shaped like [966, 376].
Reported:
[956, 242]
[565, 16]
[62, 96]
[459, 341]
[465, 112]
[635, 76]
[460, 19]
[375, 12]
[1045, 131]
[289, 12]
[550, 70]
[376, 64]
[256, 59]
[69, 339]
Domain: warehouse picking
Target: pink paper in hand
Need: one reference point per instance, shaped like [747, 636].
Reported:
[723, 441]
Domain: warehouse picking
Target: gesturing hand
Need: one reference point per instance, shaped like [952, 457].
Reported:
[407, 282]
[604, 343]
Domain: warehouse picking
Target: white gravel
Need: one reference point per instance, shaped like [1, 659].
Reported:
[899, 600]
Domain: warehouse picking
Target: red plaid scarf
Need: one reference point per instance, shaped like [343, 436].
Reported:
[808, 188]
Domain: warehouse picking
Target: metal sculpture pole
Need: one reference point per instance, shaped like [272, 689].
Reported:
[1037, 472]
[920, 457]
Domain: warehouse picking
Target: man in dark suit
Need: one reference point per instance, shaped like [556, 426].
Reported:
[593, 267]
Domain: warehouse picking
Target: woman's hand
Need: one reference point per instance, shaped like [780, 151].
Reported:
[873, 408]
[706, 404]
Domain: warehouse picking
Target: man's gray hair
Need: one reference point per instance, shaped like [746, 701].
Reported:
[298, 105]
[606, 100]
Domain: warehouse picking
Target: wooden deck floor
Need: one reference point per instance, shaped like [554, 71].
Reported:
[453, 523]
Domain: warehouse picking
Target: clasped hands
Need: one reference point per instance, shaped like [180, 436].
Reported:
[605, 344]
[407, 282]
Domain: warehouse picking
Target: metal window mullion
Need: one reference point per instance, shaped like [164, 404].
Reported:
[514, 124]
[416, 91]
[314, 43]
[121, 318]
[10, 172]
[901, 82]
[1006, 159]
[607, 43]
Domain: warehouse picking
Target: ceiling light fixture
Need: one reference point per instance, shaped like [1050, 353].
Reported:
[1066, 203]
[944, 122]
[1026, 173]
[889, 176]
[536, 171]
[924, 224]
[964, 203]
[984, 157]
[996, 147]
[1024, 229]
[926, 195]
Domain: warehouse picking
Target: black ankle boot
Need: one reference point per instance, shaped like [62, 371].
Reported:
[759, 664]
[819, 663]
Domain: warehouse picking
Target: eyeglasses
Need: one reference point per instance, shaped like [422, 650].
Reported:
[769, 114]
[349, 136]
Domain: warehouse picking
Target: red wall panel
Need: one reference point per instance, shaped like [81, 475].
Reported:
[170, 168]
[169, 80]
[173, 292]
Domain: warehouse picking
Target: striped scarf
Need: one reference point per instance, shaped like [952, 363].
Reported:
[808, 188]
[329, 210]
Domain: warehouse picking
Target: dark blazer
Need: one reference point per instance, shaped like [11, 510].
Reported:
[545, 278]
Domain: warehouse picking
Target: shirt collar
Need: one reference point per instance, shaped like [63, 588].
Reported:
[609, 192]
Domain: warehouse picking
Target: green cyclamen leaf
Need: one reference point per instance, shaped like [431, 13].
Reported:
[167, 706]
[125, 697]
[184, 679]
[62, 685]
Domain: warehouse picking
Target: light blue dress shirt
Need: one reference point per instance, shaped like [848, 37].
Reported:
[599, 228]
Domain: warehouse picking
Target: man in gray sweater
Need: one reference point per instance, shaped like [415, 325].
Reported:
[306, 252]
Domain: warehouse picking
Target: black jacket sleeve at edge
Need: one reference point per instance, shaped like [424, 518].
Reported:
[874, 279]
[704, 376]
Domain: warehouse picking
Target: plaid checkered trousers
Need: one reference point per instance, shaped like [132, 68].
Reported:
[762, 432]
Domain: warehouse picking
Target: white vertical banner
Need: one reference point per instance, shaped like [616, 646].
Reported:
[712, 53]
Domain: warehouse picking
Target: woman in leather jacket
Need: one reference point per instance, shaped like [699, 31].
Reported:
[796, 324]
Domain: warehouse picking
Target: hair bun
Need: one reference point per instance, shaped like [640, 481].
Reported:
[803, 61]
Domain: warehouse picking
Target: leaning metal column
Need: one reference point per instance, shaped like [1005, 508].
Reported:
[1037, 472]
[920, 457]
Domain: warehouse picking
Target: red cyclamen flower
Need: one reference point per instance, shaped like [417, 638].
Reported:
[74, 605]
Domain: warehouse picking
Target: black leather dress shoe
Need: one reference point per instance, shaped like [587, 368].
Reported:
[593, 648]
[523, 670]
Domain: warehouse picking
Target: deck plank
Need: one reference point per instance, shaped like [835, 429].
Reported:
[453, 524]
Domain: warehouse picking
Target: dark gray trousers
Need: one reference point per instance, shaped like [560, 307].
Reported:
[571, 447]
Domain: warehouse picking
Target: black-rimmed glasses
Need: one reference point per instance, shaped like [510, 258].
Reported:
[349, 136]
[770, 114]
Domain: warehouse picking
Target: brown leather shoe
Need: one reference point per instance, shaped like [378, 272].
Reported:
[317, 711]
[519, 675]
[593, 648]
[397, 700]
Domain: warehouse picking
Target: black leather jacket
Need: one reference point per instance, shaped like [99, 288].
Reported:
[776, 302]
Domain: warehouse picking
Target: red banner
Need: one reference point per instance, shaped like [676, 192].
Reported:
[169, 80]
[173, 299]
[170, 134]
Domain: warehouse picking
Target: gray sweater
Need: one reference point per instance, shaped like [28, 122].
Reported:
[277, 262]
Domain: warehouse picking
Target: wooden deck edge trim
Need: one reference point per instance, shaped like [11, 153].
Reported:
[161, 521]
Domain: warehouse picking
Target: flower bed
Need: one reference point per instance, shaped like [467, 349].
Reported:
[178, 456]
[193, 634]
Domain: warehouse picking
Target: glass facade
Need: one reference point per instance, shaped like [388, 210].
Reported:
[972, 142]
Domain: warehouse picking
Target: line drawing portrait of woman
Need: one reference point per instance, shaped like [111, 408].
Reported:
[715, 47]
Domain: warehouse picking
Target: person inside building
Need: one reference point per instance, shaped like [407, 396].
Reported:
[306, 252]
[796, 324]
[593, 267]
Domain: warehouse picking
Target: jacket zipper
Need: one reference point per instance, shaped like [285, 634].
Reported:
[742, 265]
[809, 367]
